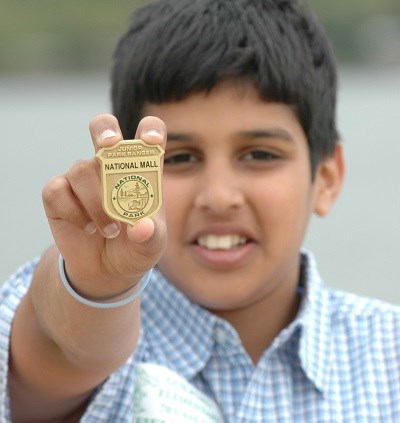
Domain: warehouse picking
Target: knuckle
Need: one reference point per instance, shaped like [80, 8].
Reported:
[81, 172]
[53, 189]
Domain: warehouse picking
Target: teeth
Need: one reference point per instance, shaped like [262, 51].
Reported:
[223, 242]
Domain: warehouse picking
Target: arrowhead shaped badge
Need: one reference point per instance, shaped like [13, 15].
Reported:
[131, 180]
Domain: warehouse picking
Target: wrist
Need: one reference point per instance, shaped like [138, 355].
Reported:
[113, 301]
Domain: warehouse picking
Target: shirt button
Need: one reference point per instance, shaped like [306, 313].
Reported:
[220, 335]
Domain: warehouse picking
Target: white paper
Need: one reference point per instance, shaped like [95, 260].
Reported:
[163, 396]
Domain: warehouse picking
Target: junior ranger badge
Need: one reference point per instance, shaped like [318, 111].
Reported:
[131, 180]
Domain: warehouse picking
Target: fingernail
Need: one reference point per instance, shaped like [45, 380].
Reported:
[152, 133]
[90, 228]
[111, 231]
[108, 133]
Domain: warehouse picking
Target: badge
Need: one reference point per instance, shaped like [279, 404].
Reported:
[131, 180]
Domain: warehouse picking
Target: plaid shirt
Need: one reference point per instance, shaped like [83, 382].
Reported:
[338, 361]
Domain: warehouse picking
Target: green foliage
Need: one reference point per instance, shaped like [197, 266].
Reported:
[60, 35]
[56, 35]
[346, 23]
[65, 16]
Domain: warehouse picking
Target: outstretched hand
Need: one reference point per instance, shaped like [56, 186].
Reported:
[103, 257]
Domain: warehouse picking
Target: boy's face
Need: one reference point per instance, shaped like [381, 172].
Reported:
[238, 196]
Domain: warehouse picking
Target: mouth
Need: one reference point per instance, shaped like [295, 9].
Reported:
[221, 242]
[223, 251]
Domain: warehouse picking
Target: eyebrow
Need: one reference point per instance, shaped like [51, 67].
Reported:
[184, 136]
[254, 134]
[266, 133]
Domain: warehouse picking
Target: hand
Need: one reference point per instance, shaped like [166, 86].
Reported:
[103, 257]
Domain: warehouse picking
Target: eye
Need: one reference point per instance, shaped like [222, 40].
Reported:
[261, 155]
[179, 157]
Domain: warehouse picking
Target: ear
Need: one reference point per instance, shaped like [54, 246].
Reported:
[329, 179]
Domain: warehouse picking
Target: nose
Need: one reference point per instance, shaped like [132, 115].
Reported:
[219, 190]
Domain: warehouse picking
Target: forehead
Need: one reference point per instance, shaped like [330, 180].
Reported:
[226, 109]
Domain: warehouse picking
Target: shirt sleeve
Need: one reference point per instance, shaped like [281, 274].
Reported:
[112, 401]
[11, 294]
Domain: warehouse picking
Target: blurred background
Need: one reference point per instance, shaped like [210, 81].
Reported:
[54, 64]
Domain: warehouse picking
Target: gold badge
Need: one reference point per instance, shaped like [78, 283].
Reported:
[131, 180]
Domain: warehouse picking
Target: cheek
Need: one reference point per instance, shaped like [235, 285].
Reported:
[283, 202]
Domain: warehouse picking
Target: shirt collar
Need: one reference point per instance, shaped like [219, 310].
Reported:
[314, 319]
[181, 335]
[307, 340]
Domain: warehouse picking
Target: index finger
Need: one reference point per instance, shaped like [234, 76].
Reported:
[105, 131]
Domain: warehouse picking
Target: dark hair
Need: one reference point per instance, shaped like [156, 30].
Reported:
[176, 47]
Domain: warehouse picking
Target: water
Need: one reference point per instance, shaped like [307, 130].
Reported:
[44, 122]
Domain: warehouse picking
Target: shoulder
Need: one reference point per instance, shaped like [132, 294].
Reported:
[351, 308]
[346, 309]
[351, 316]
[365, 329]
[365, 353]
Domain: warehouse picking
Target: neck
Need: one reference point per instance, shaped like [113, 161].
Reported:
[259, 323]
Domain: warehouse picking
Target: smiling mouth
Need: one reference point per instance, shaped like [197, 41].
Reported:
[221, 242]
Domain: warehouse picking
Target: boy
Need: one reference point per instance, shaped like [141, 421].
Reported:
[247, 91]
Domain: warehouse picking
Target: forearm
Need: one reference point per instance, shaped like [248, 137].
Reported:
[83, 333]
[66, 340]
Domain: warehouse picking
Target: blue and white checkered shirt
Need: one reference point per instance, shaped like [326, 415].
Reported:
[338, 361]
